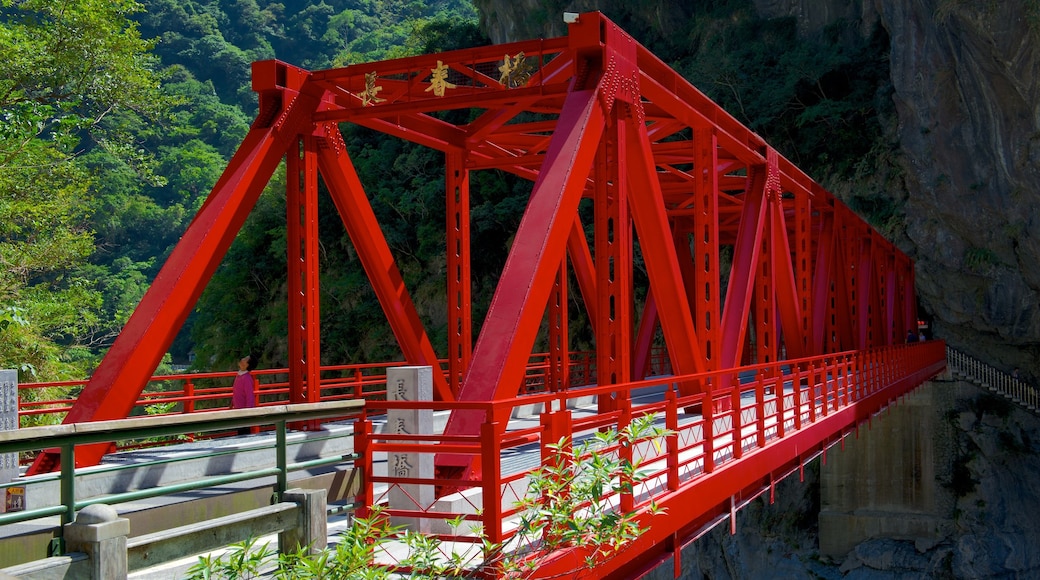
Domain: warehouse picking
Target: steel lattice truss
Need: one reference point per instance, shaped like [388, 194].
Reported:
[591, 116]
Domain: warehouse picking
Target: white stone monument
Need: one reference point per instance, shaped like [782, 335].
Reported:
[8, 422]
[410, 384]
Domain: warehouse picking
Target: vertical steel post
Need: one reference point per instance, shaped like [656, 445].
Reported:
[613, 254]
[708, 417]
[460, 321]
[797, 391]
[626, 454]
[760, 410]
[303, 285]
[558, 375]
[363, 449]
[738, 420]
[491, 474]
[706, 287]
[803, 269]
[189, 396]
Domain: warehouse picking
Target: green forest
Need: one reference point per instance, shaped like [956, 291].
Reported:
[117, 117]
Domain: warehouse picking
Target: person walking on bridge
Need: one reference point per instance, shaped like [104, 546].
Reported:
[242, 396]
[242, 392]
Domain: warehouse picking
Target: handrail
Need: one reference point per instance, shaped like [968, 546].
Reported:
[271, 387]
[793, 408]
[1013, 388]
[68, 437]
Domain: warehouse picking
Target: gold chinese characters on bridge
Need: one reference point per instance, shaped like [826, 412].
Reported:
[369, 97]
[439, 80]
[516, 71]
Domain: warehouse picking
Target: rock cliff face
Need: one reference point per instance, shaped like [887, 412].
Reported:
[966, 170]
[506, 21]
[968, 99]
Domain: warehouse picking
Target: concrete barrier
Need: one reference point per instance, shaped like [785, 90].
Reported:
[100, 548]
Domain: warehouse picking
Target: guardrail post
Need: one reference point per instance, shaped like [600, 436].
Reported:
[841, 385]
[491, 480]
[737, 424]
[627, 455]
[312, 531]
[671, 422]
[189, 396]
[363, 449]
[810, 383]
[708, 430]
[101, 534]
[760, 410]
[68, 487]
[280, 459]
[796, 402]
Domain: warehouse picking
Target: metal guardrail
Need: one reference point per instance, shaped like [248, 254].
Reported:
[778, 415]
[68, 437]
[791, 408]
[984, 375]
[186, 393]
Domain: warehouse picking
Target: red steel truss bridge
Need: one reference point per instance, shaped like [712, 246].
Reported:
[773, 353]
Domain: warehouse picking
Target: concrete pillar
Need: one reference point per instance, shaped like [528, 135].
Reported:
[886, 483]
[410, 384]
[101, 534]
[312, 530]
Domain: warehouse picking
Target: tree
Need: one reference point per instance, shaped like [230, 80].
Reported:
[70, 66]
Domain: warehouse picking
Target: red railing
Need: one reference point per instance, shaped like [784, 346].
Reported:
[47, 402]
[746, 429]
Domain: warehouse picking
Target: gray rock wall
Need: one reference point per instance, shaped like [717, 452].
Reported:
[967, 96]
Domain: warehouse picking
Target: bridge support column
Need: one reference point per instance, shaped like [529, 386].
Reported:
[101, 534]
[887, 482]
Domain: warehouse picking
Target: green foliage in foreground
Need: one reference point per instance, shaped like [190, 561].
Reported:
[568, 506]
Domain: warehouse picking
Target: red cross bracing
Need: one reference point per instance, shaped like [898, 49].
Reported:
[747, 259]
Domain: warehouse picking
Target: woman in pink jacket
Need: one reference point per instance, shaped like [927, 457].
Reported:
[242, 396]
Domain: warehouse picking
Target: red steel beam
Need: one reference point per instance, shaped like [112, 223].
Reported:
[304, 317]
[358, 217]
[657, 244]
[286, 106]
[504, 344]
[613, 243]
[786, 303]
[460, 287]
[743, 269]
[706, 287]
